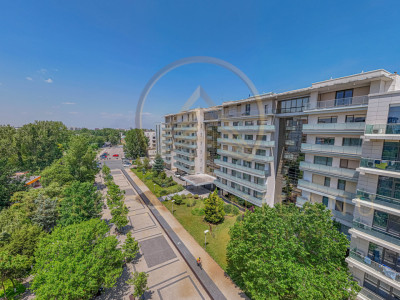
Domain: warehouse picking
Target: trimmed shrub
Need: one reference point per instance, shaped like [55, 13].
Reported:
[239, 218]
[235, 210]
[227, 208]
[196, 196]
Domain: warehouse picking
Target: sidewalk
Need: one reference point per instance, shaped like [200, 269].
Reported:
[212, 269]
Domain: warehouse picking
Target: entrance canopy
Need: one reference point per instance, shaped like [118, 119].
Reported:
[199, 179]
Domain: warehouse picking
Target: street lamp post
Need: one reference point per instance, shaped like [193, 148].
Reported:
[173, 206]
[205, 238]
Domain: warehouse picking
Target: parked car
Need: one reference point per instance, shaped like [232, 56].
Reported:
[116, 155]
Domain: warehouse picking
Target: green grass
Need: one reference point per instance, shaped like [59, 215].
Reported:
[155, 188]
[217, 240]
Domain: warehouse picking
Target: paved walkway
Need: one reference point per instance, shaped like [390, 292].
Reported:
[214, 278]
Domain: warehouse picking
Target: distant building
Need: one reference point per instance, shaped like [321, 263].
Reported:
[151, 150]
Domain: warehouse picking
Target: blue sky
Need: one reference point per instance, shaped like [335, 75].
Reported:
[86, 62]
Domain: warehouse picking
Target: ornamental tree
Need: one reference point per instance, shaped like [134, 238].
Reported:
[75, 261]
[130, 247]
[139, 282]
[214, 208]
[289, 253]
[158, 165]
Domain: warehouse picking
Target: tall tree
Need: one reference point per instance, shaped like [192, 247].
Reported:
[214, 208]
[130, 247]
[46, 214]
[80, 159]
[58, 172]
[8, 183]
[8, 148]
[135, 143]
[39, 144]
[75, 261]
[139, 282]
[287, 253]
[158, 165]
[12, 267]
[81, 202]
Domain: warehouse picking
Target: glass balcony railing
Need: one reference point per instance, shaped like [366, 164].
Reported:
[324, 189]
[366, 293]
[246, 156]
[378, 233]
[184, 153]
[322, 169]
[240, 194]
[185, 137]
[343, 216]
[260, 173]
[380, 199]
[185, 169]
[252, 128]
[186, 145]
[356, 127]
[367, 261]
[250, 143]
[382, 128]
[251, 113]
[185, 161]
[380, 164]
[300, 201]
[339, 103]
[188, 128]
[167, 135]
[241, 181]
[331, 149]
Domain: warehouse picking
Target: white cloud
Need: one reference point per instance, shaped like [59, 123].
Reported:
[42, 71]
[29, 78]
[69, 103]
[48, 80]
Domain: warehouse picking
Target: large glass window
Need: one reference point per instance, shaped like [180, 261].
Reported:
[325, 201]
[325, 141]
[322, 160]
[341, 184]
[259, 166]
[331, 119]
[247, 164]
[394, 114]
[355, 118]
[339, 206]
[391, 151]
[261, 152]
[327, 181]
[389, 187]
[293, 105]
[248, 137]
[352, 142]
[247, 109]
[344, 97]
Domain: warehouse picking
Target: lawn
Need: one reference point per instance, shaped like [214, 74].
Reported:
[155, 188]
[217, 238]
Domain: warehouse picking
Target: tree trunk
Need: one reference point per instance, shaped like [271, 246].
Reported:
[12, 281]
[4, 289]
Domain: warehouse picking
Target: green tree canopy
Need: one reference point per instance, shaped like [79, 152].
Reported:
[75, 261]
[130, 247]
[81, 202]
[12, 267]
[135, 143]
[39, 144]
[214, 208]
[8, 183]
[288, 253]
[139, 282]
[46, 214]
[58, 172]
[80, 159]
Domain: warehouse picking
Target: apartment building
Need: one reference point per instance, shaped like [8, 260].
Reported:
[159, 137]
[152, 146]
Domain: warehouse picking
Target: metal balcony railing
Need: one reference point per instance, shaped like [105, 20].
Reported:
[322, 169]
[337, 103]
[375, 198]
[393, 237]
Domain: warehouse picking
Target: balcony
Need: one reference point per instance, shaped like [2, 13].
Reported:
[300, 201]
[186, 128]
[246, 114]
[185, 161]
[383, 131]
[379, 199]
[186, 170]
[313, 187]
[342, 216]
[186, 137]
[246, 156]
[344, 151]
[378, 233]
[347, 174]
[188, 154]
[338, 104]
[252, 128]
[373, 266]
[366, 294]
[241, 181]
[253, 171]
[167, 135]
[168, 142]
[185, 145]
[238, 193]
[335, 128]
[249, 143]
[380, 167]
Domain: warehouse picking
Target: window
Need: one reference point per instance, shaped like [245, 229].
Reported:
[266, 109]
[246, 177]
[246, 190]
[344, 163]
[247, 109]
[247, 164]
[248, 123]
[248, 137]
[262, 122]
[225, 158]
[325, 201]
[257, 195]
[293, 105]
[259, 166]
[325, 141]
[225, 170]
[391, 151]
[235, 161]
[327, 181]
[225, 147]
[394, 114]
[352, 142]
[259, 180]
[344, 97]
[248, 150]
[322, 160]
[235, 136]
[388, 187]
[261, 152]
[225, 136]
[339, 206]
[355, 118]
[341, 184]
[322, 120]
[380, 288]
[261, 137]
[235, 123]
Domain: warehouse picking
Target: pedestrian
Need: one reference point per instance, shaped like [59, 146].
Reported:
[199, 262]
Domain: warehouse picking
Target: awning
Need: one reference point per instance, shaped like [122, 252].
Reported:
[199, 179]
